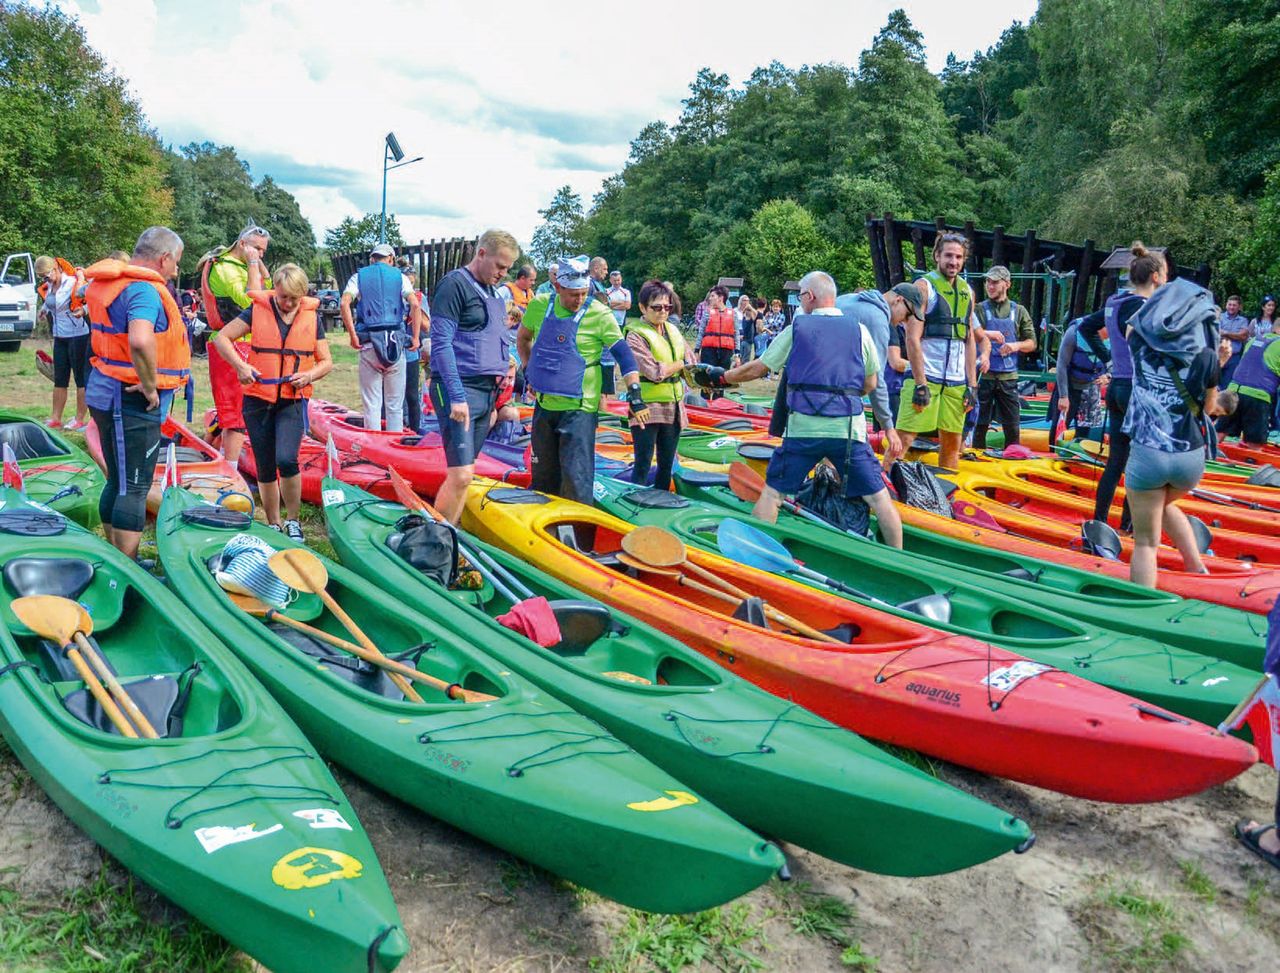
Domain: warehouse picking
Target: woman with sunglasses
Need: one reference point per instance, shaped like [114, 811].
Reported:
[661, 355]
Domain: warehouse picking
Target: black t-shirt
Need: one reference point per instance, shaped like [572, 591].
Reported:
[457, 299]
[1151, 372]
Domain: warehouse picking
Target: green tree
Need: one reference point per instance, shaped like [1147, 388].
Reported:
[359, 236]
[80, 171]
[783, 244]
[560, 234]
[1252, 264]
[292, 238]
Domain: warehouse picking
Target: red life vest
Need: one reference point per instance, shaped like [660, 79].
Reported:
[720, 331]
[107, 279]
[276, 360]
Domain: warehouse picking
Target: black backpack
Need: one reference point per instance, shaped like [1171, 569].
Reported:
[916, 485]
[824, 495]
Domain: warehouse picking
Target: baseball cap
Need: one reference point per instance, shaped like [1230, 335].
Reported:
[572, 272]
[911, 294]
[999, 273]
[383, 250]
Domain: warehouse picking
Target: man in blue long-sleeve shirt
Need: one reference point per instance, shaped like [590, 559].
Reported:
[469, 355]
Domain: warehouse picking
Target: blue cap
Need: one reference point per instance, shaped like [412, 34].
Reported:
[572, 272]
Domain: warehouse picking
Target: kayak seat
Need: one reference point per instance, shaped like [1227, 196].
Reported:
[216, 516]
[60, 667]
[1101, 539]
[184, 454]
[566, 535]
[755, 450]
[610, 437]
[31, 523]
[159, 697]
[654, 499]
[752, 409]
[693, 398]
[704, 478]
[582, 624]
[1022, 574]
[734, 425]
[67, 577]
[751, 611]
[515, 495]
[361, 674]
[29, 440]
[845, 632]
[1264, 475]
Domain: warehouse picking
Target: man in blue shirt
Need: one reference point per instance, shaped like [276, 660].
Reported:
[1233, 326]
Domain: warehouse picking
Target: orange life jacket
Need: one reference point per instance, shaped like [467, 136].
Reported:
[107, 279]
[521, 295]
[77, 297]
[720, 332]
[267, 352]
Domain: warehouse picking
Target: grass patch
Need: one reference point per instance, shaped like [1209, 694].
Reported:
[821, 916]
[1197, 882]
[102, 929]
[728, 939]
[1131, 930]
[912, 758]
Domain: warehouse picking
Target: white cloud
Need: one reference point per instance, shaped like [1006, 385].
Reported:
[506, 104]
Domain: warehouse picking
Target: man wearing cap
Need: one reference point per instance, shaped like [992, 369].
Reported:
[1009, 328]
[831, 363]
[560, 341]
[470, 340]
[226, 278]
[377, 332]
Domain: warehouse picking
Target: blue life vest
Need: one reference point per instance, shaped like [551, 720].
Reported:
[1008, 328]
[1121, 356]
[892, 378]
[556, 366]
[1252, 372]
[825, 371]
[1085, 366]
[381, 306]
[482, 351]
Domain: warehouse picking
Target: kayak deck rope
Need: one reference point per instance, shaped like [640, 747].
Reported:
[21, 664]
[1100, 658]
[545, 757]
[993, 703]
[262, 789]
[762, 747]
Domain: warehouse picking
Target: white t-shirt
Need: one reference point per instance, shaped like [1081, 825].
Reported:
[65, 324]
[943, 358]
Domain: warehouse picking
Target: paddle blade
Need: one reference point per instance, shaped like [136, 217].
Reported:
[654, 545]
[331, 455]
[248, 603]
[1200, 531]
[745, 482]
[12, 471]
[299, 569]
[49, 616]
[753, 547]
[404, 492]
[975, 516]
[534, 619]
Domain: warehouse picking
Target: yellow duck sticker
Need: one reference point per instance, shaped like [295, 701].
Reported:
[673, 800]
[310, 868]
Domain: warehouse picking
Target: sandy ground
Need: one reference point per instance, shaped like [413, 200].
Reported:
[1106, 888]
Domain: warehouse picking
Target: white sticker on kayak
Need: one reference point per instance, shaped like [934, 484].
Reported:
[323, 817]
[597, 489]
[1004, 680]
[1215, 680]
[330, 497]
[721, 443]
[219, 836]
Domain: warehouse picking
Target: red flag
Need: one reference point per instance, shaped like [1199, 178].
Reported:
[1261, 710]
[12, 471]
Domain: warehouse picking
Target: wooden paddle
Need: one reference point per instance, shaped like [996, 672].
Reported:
[253, 606]
[657, 547]
[304, 571]
[84, 630]
[58, 620]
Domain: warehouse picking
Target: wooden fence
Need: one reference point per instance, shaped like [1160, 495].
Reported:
[1027, 253]
[431, 260]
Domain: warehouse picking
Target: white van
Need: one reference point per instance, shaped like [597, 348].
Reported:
[17, 300]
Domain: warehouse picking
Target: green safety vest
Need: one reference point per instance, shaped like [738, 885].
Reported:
[665, 350]
[950, 315]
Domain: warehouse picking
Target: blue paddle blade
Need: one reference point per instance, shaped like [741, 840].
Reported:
[754, 548]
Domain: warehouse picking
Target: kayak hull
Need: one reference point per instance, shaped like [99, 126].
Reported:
[55, 471]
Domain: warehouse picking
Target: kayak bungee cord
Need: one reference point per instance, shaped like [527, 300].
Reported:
[1030, 670]
[1094, 660]
[526, 763]
[262, 790]
[760, 749]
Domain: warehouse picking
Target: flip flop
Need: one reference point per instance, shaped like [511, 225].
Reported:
[1250, 838]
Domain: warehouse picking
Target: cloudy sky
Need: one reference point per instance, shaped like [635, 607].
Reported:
[506, 103]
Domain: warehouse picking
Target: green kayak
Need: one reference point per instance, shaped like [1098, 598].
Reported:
[777, 768]
[229, 812]
[1015, 614]
[55, 472]
[523, 771]
[706, 446]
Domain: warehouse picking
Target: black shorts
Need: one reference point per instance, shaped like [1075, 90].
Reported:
[70, 357]
[275, 432]
[1253, 420]
[462, 444]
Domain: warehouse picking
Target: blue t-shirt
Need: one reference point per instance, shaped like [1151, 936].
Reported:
[137, 301]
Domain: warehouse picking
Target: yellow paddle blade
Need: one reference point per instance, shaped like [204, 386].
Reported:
[654, 546]
[49, 616]
[632, 562]
[299, 569]
[248, 603]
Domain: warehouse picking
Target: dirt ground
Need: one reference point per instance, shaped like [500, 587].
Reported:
[1160, 887]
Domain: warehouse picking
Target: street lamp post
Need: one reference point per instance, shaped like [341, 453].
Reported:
[391, 152]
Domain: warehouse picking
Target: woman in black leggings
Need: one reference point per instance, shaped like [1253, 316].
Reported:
[661, 355]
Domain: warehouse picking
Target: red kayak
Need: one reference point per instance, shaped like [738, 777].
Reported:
[717, 414]
[886, 677]
[1257, 455]
[419, 459]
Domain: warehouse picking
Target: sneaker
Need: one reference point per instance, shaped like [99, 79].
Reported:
[277, 528]
[53, 423]
[293, 530]
[75, 425]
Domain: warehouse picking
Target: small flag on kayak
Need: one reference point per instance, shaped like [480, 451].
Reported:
[1261, 711]
[12, 471]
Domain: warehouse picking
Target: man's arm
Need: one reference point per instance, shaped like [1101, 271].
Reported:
[1065, 352]
[971, 354]
[915, 350]
[347, 322]
[142, 351]
[524, 345]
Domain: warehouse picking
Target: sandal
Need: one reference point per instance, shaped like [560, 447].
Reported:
[1251, 839]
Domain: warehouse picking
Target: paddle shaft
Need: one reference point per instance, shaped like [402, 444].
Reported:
[773, 613]
[373, 654]
[770, 611]
[118, 691]
[452, 690]
[95, 687]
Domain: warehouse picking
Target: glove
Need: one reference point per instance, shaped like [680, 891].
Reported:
[636, 407]
[970, 398]
[921, 396]
[709, 376]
